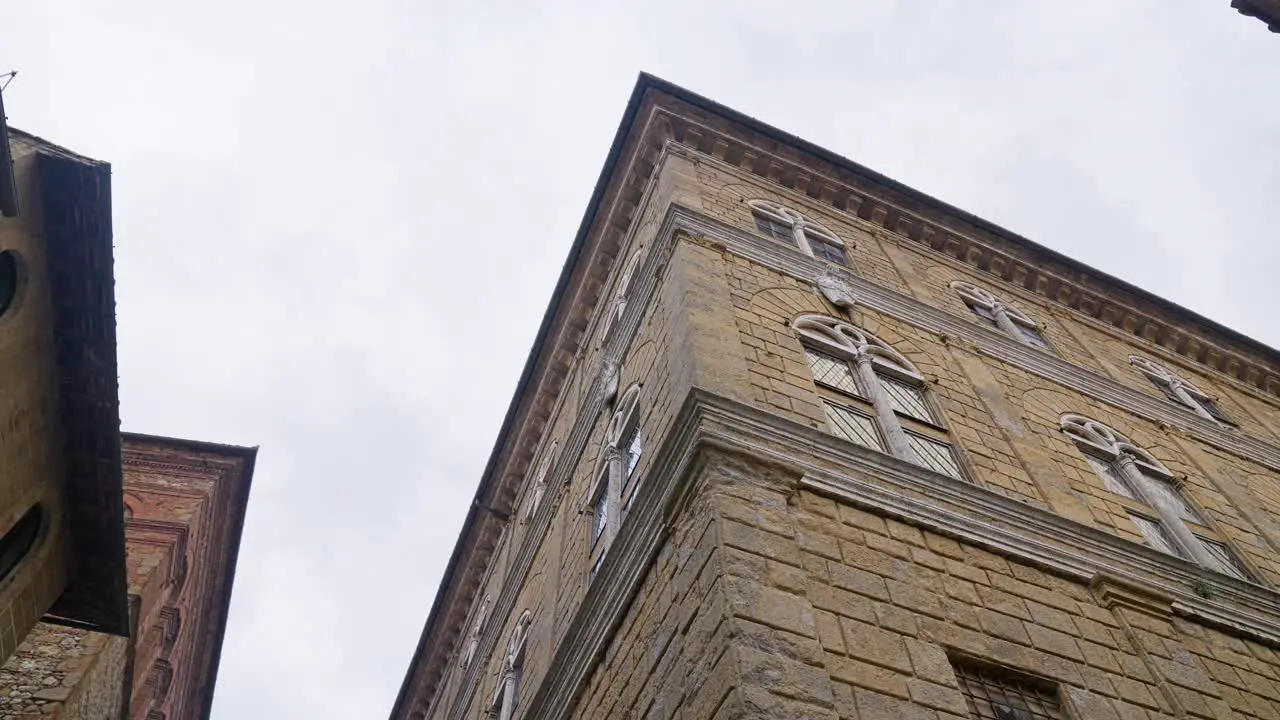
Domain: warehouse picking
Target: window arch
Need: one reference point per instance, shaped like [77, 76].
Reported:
[506, 696]
[541, 478]
[623, 446]
[873, 395]
[1180, 390]
[17, 542]
[473, 642]
[1000, 314]
[797, 229]
[621, 295]
[1166, 519]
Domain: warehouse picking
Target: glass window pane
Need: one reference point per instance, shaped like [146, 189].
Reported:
[1212, 408]
[600, 511]
[631, 444]
[854, 427]
[775, 229]
[1225, 560]
[1166, 491]
[831, 371]
[937, 456]
[1033, 334]
[1155, 535]
[595, 567]
[1110, 476]
[907, 399]
[824, 250]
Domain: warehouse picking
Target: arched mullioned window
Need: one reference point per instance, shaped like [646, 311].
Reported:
[1180, 390]
[473, 641]
[17, 542]
[797, 229]
[874, 396]
[1000, 314]
[1165, 518]
[506, 696]
[621, 295]
[540, 479]
[616, 488]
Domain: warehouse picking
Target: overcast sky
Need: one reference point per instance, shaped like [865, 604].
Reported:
[337, 225]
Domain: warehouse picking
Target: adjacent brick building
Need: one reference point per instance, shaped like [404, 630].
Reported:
[184, 504]
[798, 441]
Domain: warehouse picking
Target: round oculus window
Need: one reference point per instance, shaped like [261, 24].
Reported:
[8, 279]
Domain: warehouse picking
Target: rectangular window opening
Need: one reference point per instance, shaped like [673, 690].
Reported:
[853, 426]
[1226, 560]
[831, 372]
[937, 456]
[907, 399]
[826, 250]
[775, 229]
[996, 694]
[1156, 535]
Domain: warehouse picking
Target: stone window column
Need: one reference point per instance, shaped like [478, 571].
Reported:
[895, 437]
[1169, 516]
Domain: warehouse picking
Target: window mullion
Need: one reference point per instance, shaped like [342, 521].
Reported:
[615, 460]
[801, 240]
[1007, 324]
[1191, 402]
[1169, 515]
[895, 437]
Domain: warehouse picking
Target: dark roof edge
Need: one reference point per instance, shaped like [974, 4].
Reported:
[692, 98]
[526, 375]
[242, 451]
[240, 505]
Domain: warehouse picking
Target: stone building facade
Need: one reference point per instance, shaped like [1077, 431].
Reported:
[798, 441]
[184, 504]
[61, 521]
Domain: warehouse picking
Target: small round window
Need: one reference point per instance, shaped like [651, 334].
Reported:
[8, 280]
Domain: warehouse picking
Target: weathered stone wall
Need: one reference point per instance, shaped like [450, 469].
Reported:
[61, 672]
[767, 600]
[856, 616]
[30, 440]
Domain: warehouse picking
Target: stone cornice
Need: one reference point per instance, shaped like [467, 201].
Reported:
[1117, 570]
[1002, 254]
[1043, 363]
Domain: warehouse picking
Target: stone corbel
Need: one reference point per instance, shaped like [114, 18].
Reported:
[1113, 592]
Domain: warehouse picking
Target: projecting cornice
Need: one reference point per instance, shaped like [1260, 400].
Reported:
[981, 245]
